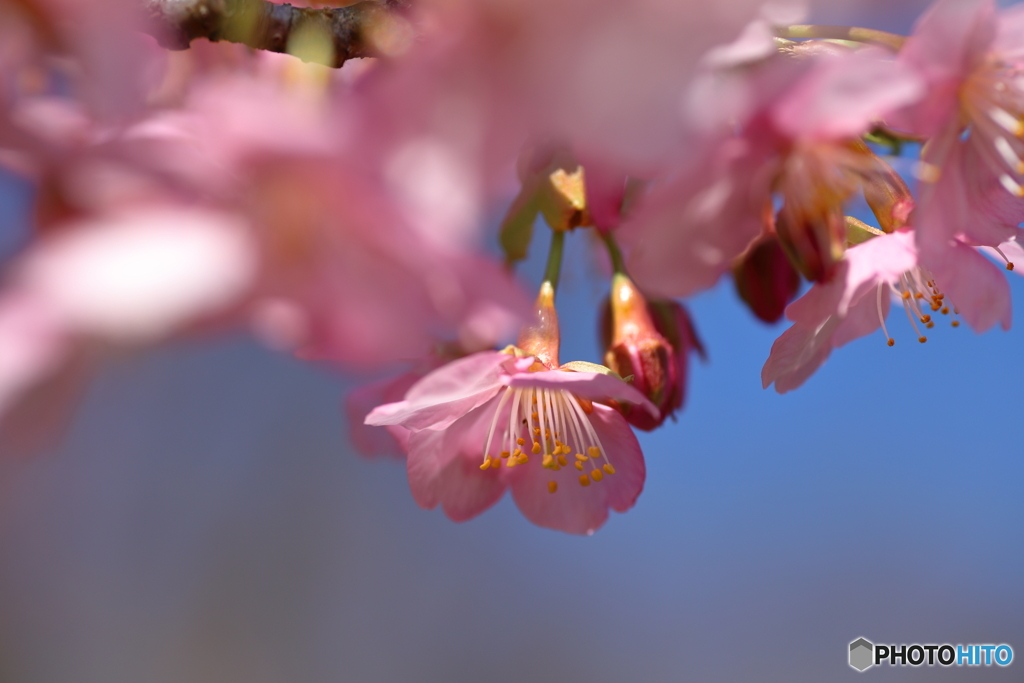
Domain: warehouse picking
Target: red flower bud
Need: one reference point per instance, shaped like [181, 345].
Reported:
[637, 337]
[765, 279]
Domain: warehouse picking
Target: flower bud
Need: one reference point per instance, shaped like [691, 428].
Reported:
[765, 279]
[889, 198]
[636, 348]
[814, 241]
[553, 186]
[541, 337]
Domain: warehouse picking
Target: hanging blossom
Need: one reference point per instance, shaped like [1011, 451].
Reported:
[517, 419]
[857, 301]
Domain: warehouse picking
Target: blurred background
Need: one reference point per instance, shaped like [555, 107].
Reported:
[207, 520]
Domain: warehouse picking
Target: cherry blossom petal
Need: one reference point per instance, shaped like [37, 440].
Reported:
[446, 394]
[360, 402]
[844, 94]
[580, 509]
[444, 466]
[797, 354]
[975, 285]
[948, 41]
[138, 276]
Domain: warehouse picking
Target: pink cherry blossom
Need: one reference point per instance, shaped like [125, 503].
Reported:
[799, 122]
[971, 56]
[857, 301]
[476, 429]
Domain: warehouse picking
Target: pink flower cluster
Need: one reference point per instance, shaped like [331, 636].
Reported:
[342, 214]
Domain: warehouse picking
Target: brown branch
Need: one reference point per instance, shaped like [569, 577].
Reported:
[269, 26]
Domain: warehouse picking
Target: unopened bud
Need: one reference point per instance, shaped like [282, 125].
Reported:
[813, 241]
[765, 279]
[889, 197]
[635, 347]
[553, 186]
[541, 338]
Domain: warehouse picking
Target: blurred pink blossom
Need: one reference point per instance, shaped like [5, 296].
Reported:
[798, 122]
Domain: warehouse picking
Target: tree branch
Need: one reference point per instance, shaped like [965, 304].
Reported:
[269, 26]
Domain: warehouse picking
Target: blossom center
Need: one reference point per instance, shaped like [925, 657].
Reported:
[551, 424]
[916, 290]
[993, 103]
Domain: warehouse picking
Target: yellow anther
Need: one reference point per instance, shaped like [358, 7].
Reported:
[562, 461]
[581, 457]
[922, 339]
[584, 480]
[579, 465]
[523, 459]
[930, 325]
[608, 468]
[890, 341]
[945, 310]
[536, 431]
[486, 465]
[516, 453]
[1009, 266]
[594, 452]
[552, 486]
[520, 441]
[955, 323]
[536, 447]
[596, 475]
[511, 462]
[918, 295]
[926, 318]
[906, 295]
[505, 454]
[548, 461]
[495, 464]
[535, 416]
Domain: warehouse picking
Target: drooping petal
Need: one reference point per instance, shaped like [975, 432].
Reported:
[973, 283]
[444, 466]
[446, 394]
[360, 402]
[797, 354]
[862, 318]
[580, 509]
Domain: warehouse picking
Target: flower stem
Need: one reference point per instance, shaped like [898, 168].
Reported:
[554, 267]
[618, 264]
[854, 33]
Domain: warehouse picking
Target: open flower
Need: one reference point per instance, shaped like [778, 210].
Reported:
[500, 420]
[857, 302]
[971, 57]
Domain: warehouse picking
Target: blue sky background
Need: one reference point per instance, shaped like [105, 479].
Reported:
[207, 521]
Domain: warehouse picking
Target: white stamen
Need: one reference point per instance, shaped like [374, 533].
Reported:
[1011, 186]
[1009, 156]
[881, 316]
[1007, 121]
[494, 421]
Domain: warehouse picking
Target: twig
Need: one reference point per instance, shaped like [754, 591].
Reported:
[269, 26]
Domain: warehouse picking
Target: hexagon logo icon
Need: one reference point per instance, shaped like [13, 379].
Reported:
[861, 654]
